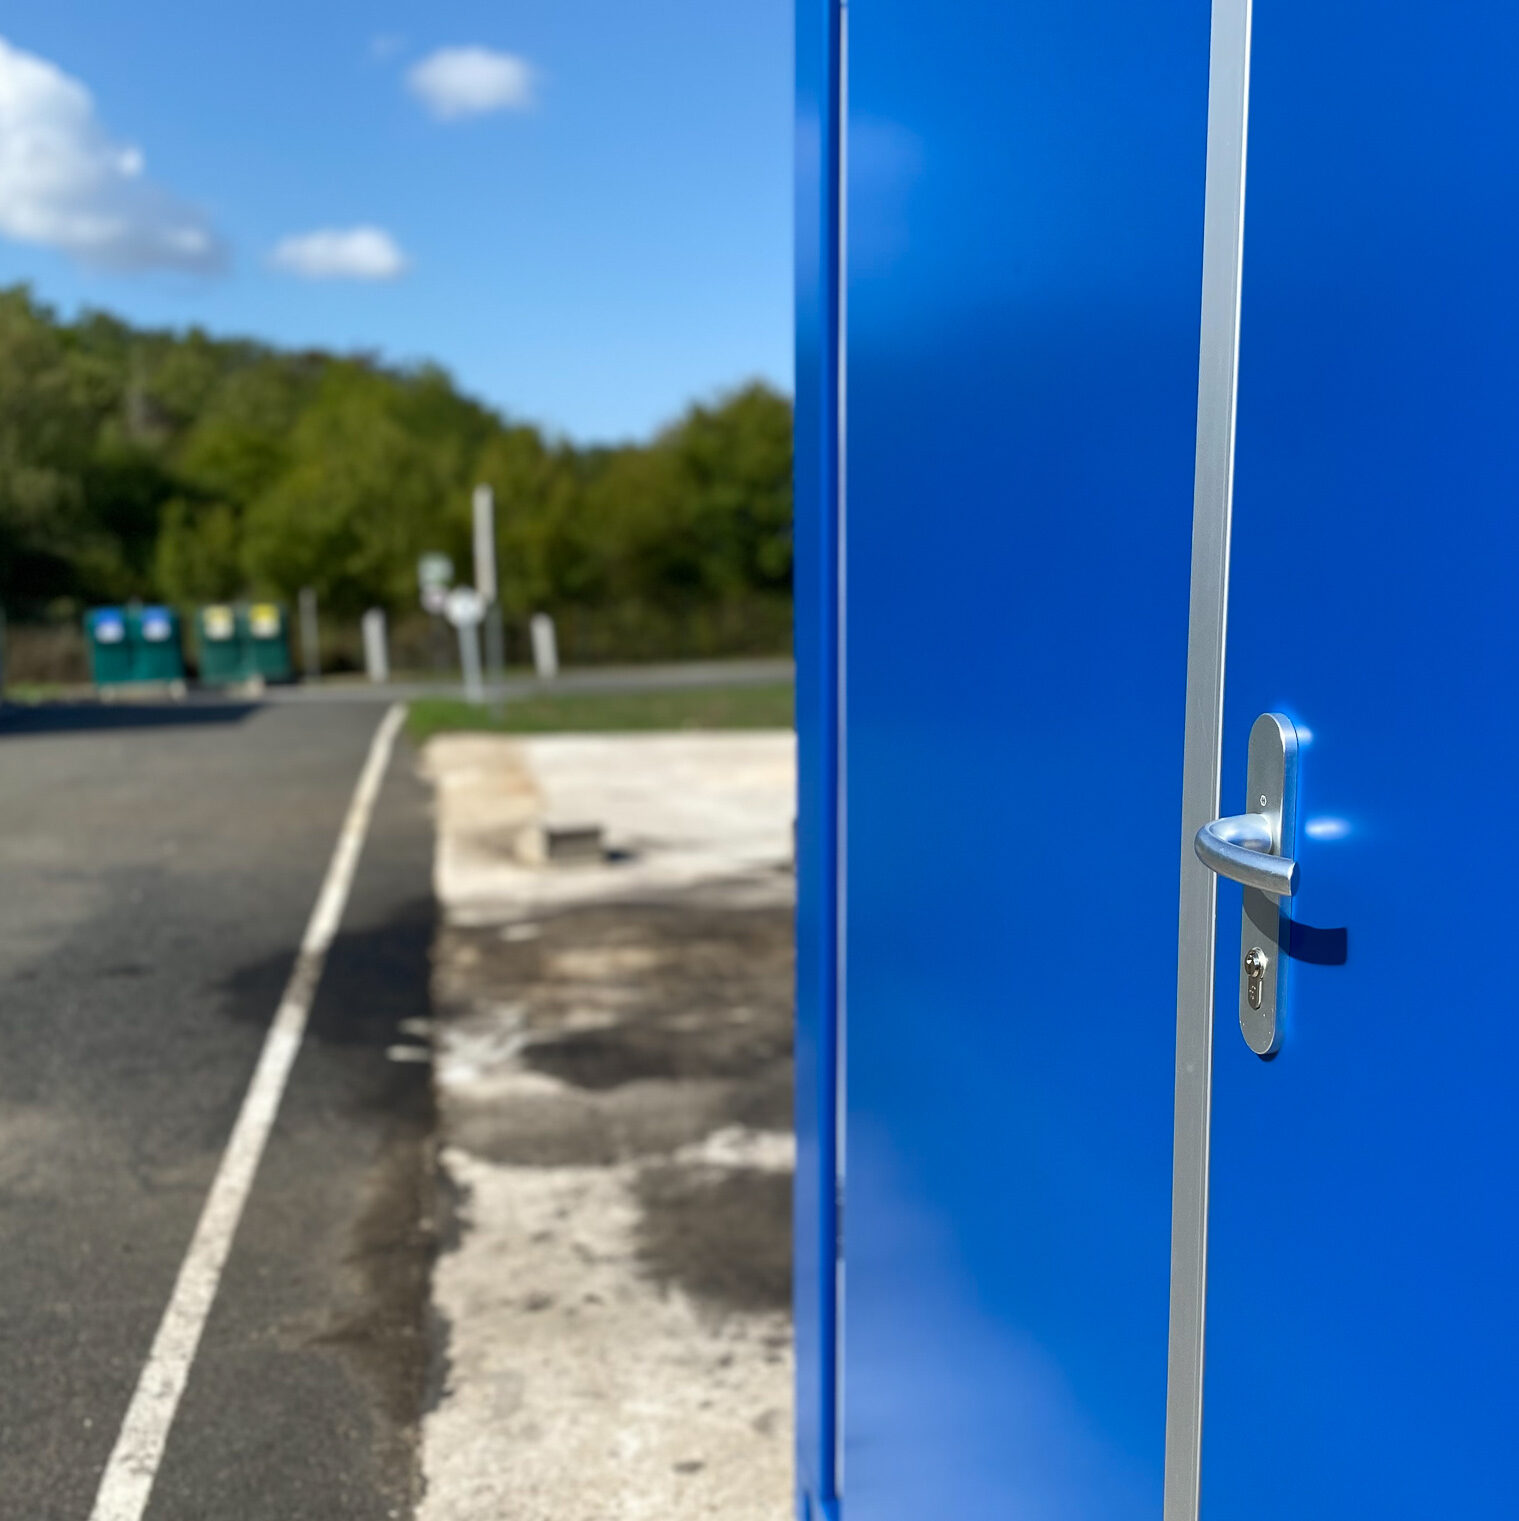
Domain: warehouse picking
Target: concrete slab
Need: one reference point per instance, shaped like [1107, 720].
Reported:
[612, 1058]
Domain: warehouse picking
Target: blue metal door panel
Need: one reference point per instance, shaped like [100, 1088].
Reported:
[1023, 214]
[1363, 1325]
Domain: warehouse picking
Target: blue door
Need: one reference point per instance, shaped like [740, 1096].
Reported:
[1363, 1320]
[1022, 247]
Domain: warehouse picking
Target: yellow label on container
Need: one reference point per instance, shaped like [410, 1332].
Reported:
[264, 620]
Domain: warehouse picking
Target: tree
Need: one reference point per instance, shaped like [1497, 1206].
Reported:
[186, 467]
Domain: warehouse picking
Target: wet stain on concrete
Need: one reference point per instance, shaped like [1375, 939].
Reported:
[659, 1023]
[634, 1031]
[722, 1234]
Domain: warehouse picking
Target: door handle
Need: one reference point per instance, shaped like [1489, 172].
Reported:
[1255, 849]
[1243, 848]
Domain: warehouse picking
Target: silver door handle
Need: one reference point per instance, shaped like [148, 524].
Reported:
[1256, 848]
[1241, 847]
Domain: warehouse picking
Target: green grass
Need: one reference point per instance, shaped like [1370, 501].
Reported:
[734, 707]
[32, 692]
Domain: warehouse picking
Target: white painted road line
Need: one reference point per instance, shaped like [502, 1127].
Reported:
[129, 1475]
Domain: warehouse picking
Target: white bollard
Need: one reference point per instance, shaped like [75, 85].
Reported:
[376, 653]
[545, 646]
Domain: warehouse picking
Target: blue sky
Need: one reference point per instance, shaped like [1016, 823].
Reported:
[580, 207]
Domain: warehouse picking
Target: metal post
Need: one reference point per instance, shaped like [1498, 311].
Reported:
[485, 542]
[469, 659]
[486, 584]
[495, 655]
[311, 648]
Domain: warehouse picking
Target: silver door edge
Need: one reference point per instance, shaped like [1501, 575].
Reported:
[1218, 369]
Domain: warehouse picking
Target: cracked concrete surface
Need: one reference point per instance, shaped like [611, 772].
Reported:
[613, 1061]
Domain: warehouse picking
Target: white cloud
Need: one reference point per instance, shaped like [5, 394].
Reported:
[471, 81]
[335, 253]
[65, 184]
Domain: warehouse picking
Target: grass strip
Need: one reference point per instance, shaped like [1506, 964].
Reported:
[734, 707]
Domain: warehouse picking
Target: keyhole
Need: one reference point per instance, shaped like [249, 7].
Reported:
[1255, 975]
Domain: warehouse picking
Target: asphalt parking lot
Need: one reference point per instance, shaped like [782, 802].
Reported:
[158, 867]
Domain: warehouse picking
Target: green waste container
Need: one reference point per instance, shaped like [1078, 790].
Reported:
[269, 641]
[110, 642]
[222, 637]
[153, 634]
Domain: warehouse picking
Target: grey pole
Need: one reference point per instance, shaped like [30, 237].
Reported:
[495, 650]
[486, 584]
[485, 542]
[469, 659]
[311, 647]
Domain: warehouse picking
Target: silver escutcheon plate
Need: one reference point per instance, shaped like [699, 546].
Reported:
[1271, 790]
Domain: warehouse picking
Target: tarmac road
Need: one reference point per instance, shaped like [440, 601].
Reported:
[158, 866]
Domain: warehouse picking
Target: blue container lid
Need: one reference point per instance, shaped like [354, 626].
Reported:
[157, 624]
[107, 625]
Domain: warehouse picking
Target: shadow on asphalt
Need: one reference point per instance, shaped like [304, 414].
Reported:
[93, 717]
[376, 977]
[354, 1106]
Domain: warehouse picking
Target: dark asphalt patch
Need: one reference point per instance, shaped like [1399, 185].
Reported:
[390, 1254]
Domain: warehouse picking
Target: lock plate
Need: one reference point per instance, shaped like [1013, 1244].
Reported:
[1271, 789]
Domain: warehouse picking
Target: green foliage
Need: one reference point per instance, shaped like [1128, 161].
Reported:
[182, 467]
[198, 556]
[376, 469]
